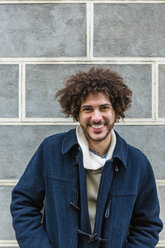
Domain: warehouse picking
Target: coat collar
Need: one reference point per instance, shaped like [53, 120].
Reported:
[120, 151]
[69, 141]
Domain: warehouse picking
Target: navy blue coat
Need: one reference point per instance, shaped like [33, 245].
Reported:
[127, 214]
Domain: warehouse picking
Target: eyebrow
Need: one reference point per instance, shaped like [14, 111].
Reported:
[101, 105]
[106, 104]
[85, 106]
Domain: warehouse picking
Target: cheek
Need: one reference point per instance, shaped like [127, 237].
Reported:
[83, 119]
[111, 117]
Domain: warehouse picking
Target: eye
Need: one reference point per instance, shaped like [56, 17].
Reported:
[87, 109]
[104, 107]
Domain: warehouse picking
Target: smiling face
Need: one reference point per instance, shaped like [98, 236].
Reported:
[97, 118]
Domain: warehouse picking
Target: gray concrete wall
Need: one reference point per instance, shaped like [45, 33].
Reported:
[41, 43]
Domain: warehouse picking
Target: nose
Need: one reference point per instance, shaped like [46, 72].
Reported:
[96, 116]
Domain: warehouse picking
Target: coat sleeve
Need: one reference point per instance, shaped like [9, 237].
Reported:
[27, 203]
[145, 223]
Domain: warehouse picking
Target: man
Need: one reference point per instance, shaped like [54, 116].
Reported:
[97, 190]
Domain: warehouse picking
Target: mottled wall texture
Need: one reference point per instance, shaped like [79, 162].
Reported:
[41, 43]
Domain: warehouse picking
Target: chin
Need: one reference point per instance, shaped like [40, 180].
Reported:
[98, 138]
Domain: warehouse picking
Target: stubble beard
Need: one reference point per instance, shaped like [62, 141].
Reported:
[110, 127]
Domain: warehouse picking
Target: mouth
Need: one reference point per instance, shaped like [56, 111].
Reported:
[97, 126]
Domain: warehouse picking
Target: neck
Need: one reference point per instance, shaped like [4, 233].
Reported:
[100, 147]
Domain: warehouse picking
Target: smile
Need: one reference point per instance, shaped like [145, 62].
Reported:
[97, 126]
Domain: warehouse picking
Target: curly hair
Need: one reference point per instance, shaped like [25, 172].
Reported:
[80, 85]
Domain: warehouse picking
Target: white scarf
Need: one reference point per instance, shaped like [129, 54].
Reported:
[92, 161]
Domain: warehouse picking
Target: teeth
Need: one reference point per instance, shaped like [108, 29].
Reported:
[97, 127]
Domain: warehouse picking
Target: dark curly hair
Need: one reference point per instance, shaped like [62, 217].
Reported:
[80, 85]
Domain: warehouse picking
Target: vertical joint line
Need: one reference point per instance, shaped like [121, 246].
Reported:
[156, 90]
[22, 92]
[89, 25]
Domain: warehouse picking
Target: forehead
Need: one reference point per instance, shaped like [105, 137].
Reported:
[98, 98]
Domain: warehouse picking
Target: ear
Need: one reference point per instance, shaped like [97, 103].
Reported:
[116, 118]
[78, 119]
